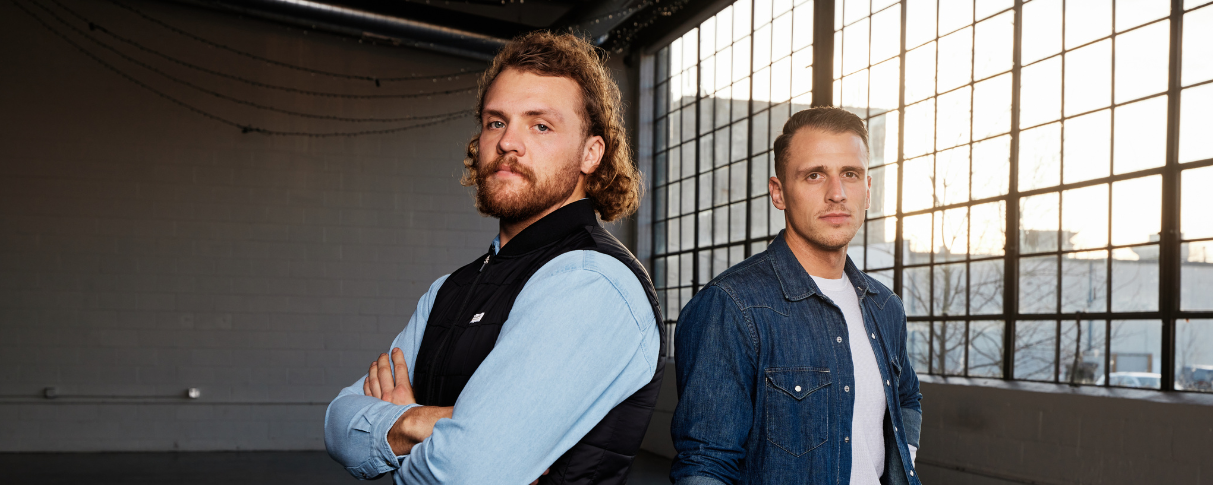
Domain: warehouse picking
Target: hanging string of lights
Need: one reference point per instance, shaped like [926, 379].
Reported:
[623, 12]
[375, 79]
[231, 98]
[96, 27]
[245, 128]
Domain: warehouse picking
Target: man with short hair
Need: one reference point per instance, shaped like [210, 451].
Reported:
[792, 364]
[541, 357]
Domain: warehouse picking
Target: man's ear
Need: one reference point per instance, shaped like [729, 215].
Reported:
[776, 190]
[591, 155]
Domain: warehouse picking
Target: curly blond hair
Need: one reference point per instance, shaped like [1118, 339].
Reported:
[614, 188]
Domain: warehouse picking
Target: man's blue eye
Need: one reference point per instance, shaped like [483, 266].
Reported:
[542, 127]
[496, 124]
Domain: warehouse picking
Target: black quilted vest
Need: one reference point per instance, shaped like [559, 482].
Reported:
[475, 301]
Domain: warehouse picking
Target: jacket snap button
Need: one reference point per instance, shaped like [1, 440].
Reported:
[847, 439]
[873, 336]
[846, 388]
[839, 339]
[797, 388]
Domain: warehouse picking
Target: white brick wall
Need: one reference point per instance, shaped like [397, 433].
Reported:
[145, 249]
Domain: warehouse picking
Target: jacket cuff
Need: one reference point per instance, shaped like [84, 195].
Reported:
[911, 422]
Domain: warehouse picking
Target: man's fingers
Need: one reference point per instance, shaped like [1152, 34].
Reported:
[366, 384]
[385, 374]
[372, 380]
[402, 368]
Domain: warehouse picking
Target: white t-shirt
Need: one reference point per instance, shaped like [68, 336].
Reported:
[867, 423]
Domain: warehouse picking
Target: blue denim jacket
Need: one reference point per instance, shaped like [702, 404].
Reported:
[763, 359]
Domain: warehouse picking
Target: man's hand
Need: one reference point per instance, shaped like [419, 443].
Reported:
[416, 424]
[379, 382]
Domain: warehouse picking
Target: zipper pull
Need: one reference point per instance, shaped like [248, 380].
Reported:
[486, 263]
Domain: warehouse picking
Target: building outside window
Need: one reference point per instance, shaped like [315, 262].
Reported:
[1041, 173]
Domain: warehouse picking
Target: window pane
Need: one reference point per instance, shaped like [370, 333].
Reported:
[916, 290]
[802, 26]
[918, 338]
[1087, 146]
[1131, 13]
[1196, 122]
[1135, 279]
[920, 73]
[954, 14]
[720, 221]
[1084, 218]
[1040, 157]
[1035, 344]
[949, 294]
[920, 133]
[953, 119]
[1089, 78]
[920, 22]
[881, 239]
[991, 167]
[1042, 30]
[802, 72]
[1197, 199]
[1197, 46]
[1038, 284]
[1141, 135]
[758, 217]
[1196, 276]
[855, 47]
[855, 93]
[1082, 351]
[886, 34]
[737, 222]
[993, 45]
[1141, 61]
[1084, 282]
[1136, 210]
[949, 351]
[855, 249]
[1087, 20]
[1038, 223]
[884, 191]
[952, 176]
[762, 47]
[918, 185]
[1194, 355]
[1040, 93]
[917, 236]
[986, 287]
[884, 87]
[988, 229]
[992, 107]
[1136, 357]
[951, 234]
[955, 60]
[985, 8]
[883, 277]
[985, 349]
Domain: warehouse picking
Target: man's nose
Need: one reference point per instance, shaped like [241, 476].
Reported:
[837, 193]
[511, 141]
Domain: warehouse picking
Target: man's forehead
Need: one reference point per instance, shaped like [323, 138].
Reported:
[822, 147]
[520, 92]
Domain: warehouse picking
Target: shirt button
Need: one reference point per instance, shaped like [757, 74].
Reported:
[894, 428]
[838, 339]
[911, 473]
[887, 383]
[797, 388]
[846, 439]
[873, 336]
[846, 388]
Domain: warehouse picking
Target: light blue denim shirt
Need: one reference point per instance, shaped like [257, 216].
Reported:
[579, 340]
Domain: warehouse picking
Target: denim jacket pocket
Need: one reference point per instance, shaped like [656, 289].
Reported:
[797, 408]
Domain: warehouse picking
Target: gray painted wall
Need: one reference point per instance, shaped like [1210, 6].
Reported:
[145, 249]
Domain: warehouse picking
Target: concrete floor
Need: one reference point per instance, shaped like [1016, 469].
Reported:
[231, 468]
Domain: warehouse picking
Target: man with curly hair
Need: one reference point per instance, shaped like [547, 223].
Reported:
[541, 357]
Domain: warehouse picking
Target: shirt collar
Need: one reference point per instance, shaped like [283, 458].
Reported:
[796, 282]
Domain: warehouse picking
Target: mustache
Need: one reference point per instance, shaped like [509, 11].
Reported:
[836, 208]
[509, 160]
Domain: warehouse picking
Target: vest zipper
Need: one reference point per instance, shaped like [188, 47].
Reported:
[429, 388]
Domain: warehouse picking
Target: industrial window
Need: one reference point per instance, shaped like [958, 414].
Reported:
[1041, 173]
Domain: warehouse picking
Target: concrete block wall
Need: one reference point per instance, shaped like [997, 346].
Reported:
[145, 249]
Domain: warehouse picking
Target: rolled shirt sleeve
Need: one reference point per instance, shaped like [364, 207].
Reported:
[580, 338]
[356, 426]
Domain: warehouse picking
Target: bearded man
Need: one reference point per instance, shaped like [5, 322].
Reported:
[792, 365]
[541, 357]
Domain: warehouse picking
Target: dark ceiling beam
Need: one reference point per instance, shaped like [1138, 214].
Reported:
[377, 26]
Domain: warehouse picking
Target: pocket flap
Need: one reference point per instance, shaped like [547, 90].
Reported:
[363, 423]
[798, 382]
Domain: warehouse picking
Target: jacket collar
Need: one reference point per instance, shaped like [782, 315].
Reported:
[551, 228]
[796, 282]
